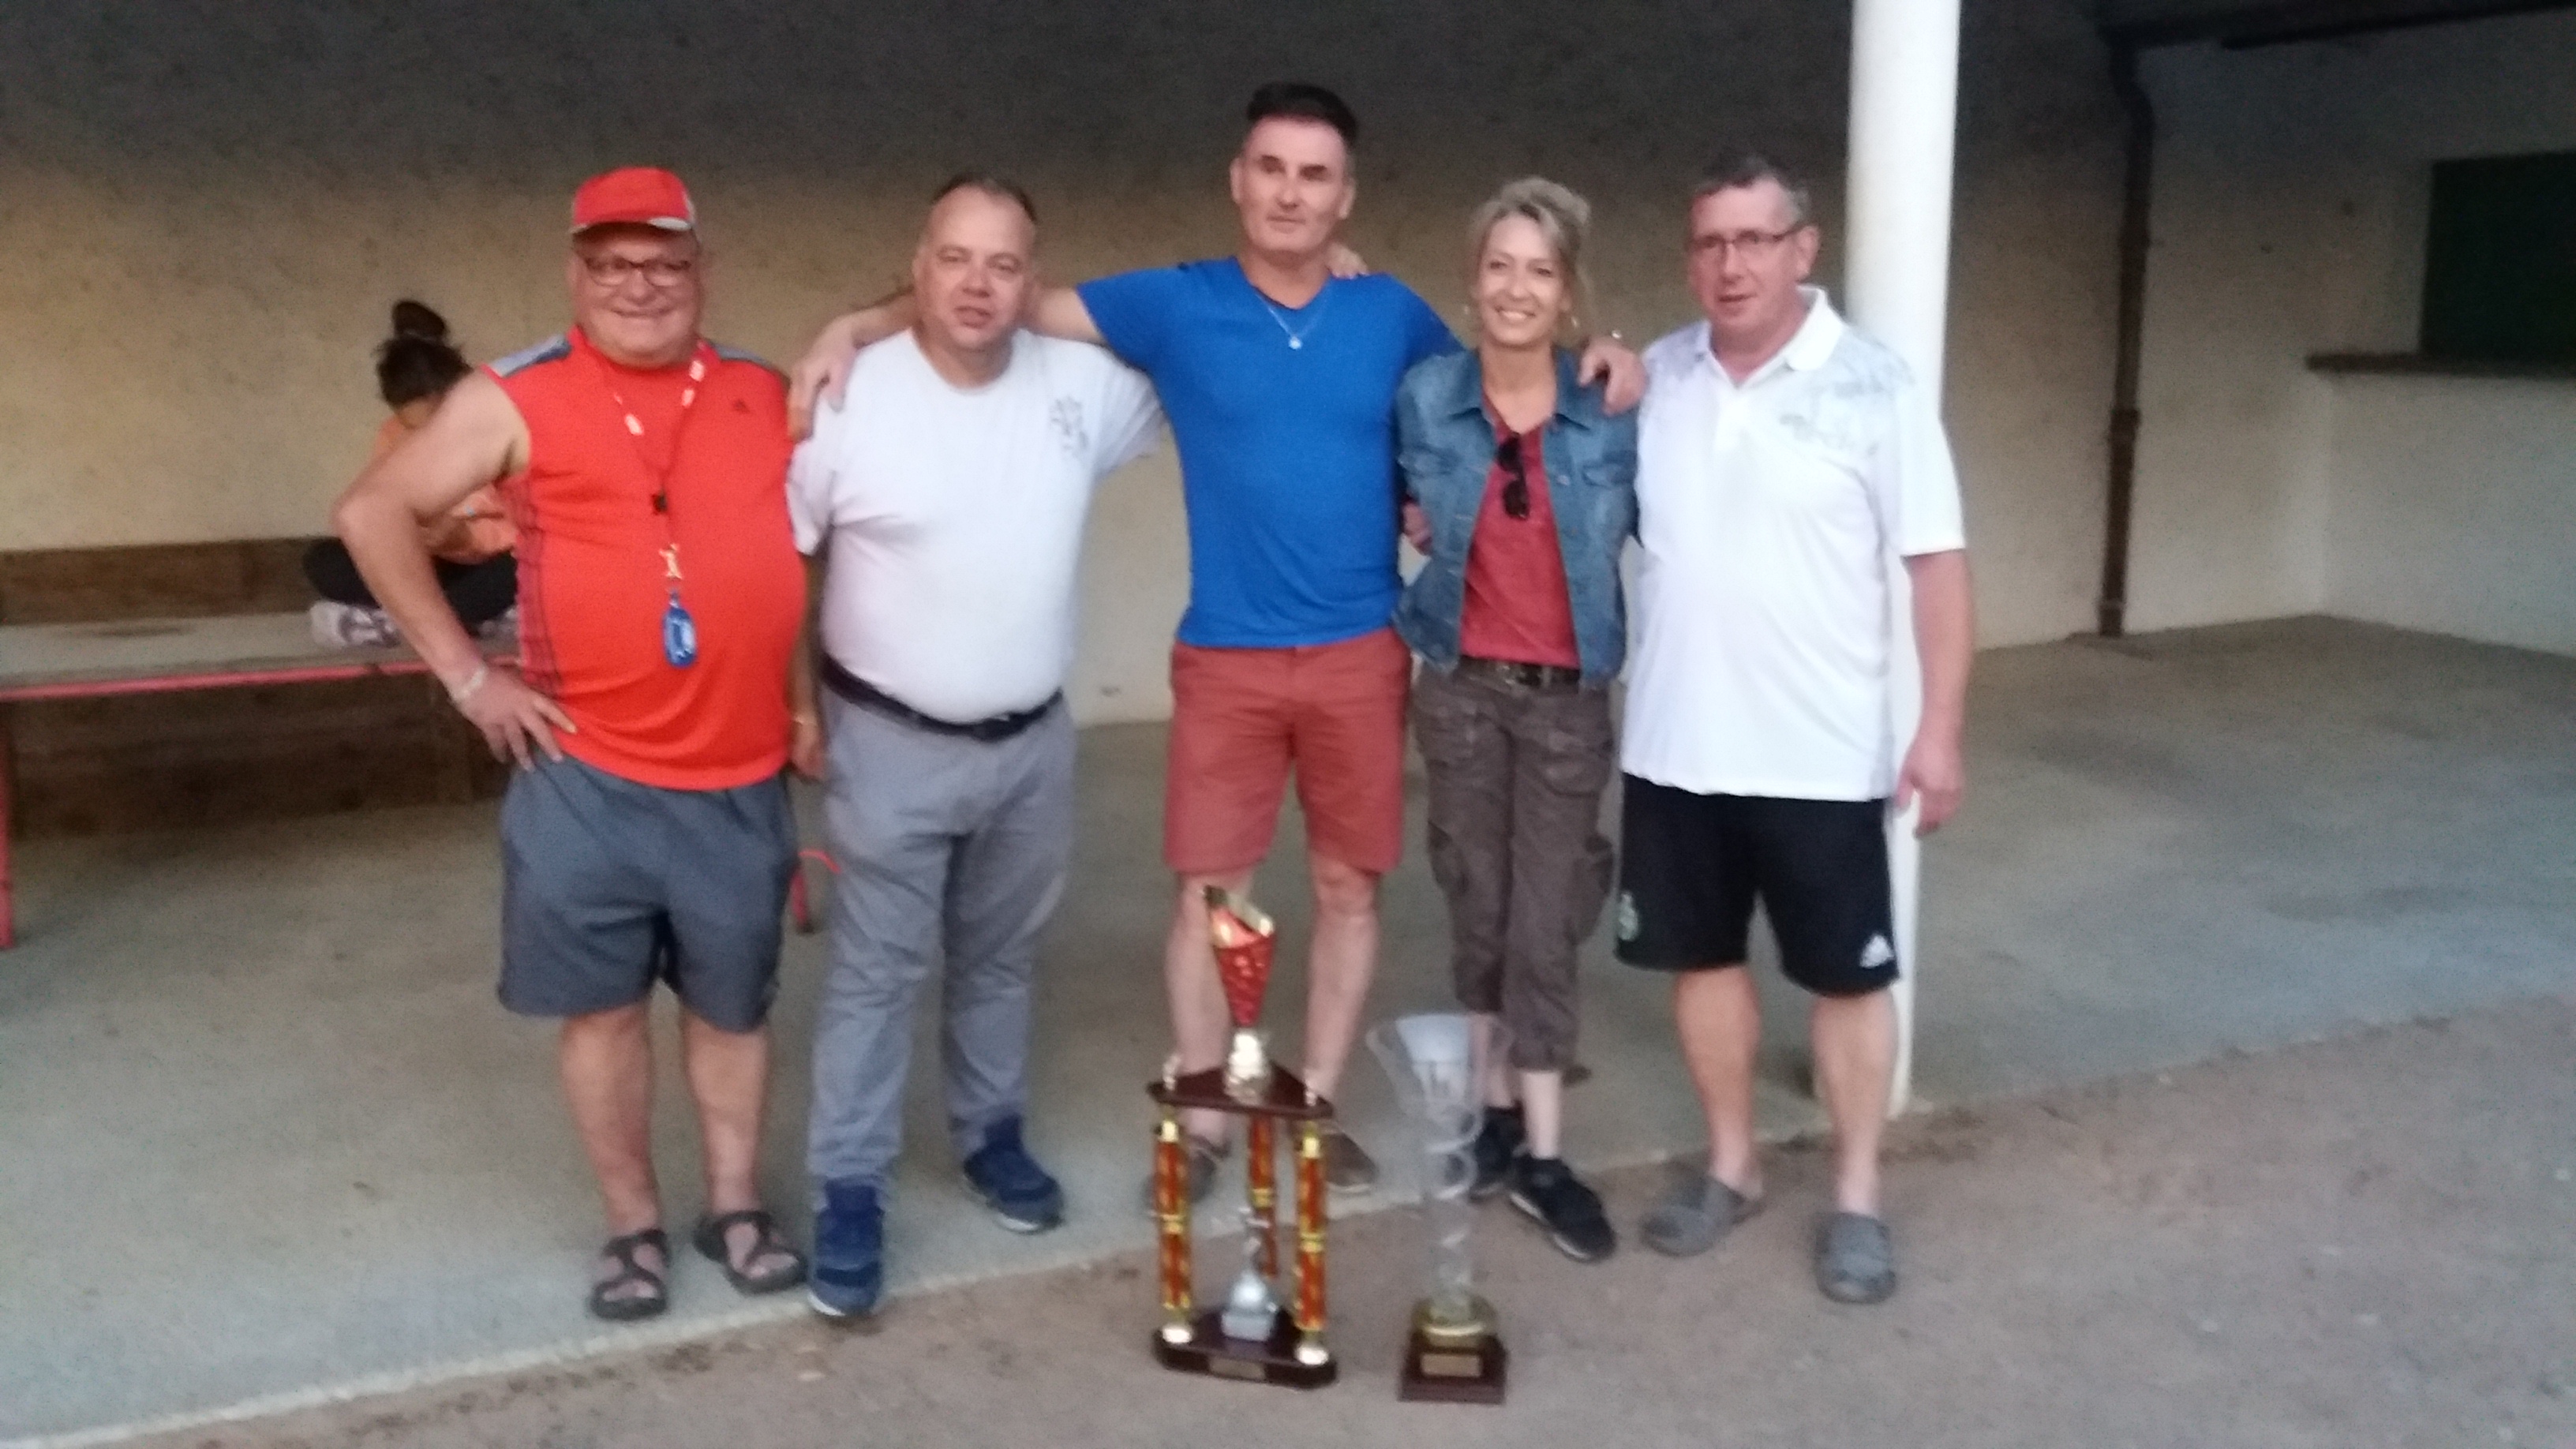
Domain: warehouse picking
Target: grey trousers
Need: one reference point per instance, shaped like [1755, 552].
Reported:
[1515, 842]
[952, 852]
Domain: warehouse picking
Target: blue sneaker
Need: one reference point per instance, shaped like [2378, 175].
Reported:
[1011, 1183]
[848, 1273]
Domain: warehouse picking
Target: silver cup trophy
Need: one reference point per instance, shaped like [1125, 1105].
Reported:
[1437, 1062]
[1251, 1313]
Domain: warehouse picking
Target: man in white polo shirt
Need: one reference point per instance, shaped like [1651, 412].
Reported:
[1783, 458]
[946, 499]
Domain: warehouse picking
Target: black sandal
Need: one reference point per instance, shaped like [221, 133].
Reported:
[710, 1240]
[626, 1308]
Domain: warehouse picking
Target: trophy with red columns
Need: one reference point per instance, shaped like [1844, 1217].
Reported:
[1252, 1337]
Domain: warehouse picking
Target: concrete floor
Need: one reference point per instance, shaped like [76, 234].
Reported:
[267, 1136]
[2355, 1244]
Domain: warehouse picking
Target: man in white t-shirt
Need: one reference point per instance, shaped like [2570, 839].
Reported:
[944, 504]
[1783, 458]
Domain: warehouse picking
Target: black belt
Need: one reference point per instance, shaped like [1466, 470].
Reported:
[1553, 678]
[867, 696]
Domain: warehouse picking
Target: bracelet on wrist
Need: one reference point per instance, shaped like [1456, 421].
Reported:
[457, 694]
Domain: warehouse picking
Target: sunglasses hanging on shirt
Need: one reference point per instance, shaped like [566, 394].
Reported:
[1507, 456]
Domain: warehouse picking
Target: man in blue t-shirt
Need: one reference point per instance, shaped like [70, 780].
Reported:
[1279, 378]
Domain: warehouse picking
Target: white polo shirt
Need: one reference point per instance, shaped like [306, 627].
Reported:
[955, 515]
[1768, 512]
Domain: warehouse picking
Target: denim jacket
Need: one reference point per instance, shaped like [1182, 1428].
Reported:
[1445, 450]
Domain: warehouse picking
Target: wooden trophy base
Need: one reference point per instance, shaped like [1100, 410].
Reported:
[1441, 1373]
[1210, 1352]
[1281, 1095]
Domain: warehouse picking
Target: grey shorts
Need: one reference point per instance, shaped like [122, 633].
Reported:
[607, 884]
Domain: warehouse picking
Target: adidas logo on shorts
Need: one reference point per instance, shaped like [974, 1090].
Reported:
[1876, 954]
[1628, 923]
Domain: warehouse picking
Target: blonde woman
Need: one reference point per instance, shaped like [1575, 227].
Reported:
[1520, 489]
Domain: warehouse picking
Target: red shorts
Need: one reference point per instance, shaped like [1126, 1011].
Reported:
[1241, 717]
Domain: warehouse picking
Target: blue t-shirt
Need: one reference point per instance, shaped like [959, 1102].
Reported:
[1287, 452]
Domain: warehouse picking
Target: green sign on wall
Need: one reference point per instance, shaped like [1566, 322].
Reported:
[2500, 262]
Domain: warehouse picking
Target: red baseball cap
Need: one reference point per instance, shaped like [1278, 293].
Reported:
[634, 196]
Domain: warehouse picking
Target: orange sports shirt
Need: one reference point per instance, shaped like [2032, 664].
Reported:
[591, 580]
[474, 530]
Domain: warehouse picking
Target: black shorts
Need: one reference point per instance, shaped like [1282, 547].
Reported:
[1692, 866]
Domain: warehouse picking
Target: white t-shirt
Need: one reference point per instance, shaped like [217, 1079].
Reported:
[1768, 513]
[955, 517]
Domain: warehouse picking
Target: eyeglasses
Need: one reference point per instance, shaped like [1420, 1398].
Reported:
[660, 271]
[1507, 456]
[1753, 246]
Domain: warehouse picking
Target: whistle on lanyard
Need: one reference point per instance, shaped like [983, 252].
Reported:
[679, 631]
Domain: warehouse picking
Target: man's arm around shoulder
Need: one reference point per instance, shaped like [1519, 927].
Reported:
[822, 375]
[1060, 312]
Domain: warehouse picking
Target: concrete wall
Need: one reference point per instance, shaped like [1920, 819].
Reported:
[2292, 184]
[2454, 507]
[206, 206]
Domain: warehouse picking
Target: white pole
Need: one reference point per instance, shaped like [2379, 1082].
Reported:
[1896, 283]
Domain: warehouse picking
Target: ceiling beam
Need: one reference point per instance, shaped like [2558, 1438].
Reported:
[2289, 21]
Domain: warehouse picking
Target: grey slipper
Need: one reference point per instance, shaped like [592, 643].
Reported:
[1855, 1258]
[1204, 1158]
[1696, 1216]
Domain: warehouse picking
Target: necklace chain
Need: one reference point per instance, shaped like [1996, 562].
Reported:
[1296, 337]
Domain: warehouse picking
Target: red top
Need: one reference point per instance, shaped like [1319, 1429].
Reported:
[1517, 608]
[591, 586]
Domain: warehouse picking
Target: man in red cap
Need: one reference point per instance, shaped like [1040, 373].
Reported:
[647, 834]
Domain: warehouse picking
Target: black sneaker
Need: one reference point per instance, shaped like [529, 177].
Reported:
[1497, 1143]
[1552, 1196]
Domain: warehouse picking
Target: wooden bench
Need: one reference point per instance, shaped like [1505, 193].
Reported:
[40, 662]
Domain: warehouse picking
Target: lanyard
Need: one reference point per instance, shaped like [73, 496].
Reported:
[679, 629]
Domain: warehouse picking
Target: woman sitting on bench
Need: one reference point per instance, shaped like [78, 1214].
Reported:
[414, 369]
